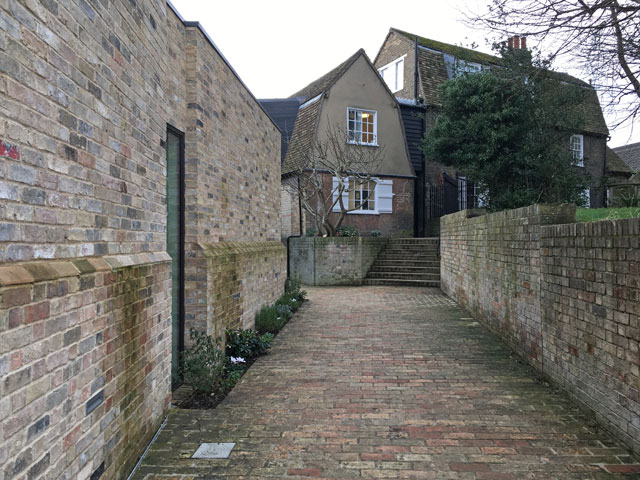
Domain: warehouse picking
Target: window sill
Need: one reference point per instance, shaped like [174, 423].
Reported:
[365, 212]
[363, 144]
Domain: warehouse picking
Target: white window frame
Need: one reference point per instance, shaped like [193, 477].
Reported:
[577, 151]
[360, 211]
[395, 71]
[361, 112]
[462, 193]
[382, 191]
[587, 197]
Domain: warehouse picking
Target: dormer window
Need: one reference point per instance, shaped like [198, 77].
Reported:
[362, 127]
[576, 147]
[393, 74]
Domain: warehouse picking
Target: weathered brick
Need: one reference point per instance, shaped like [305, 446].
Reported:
[37, 312]
[22, 174]
[12, 297]
[38, 427]
[16, 380]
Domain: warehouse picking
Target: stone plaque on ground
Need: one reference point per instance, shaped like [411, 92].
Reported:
[214, 450]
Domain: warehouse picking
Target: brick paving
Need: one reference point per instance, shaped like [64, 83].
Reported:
[389, 382]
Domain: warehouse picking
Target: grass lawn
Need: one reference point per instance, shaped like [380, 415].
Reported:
[595, 214]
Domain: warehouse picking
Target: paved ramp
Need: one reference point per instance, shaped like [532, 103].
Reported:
[389, 382]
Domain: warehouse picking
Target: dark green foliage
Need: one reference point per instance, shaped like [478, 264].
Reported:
[284, 311]
[376, 233]
[293, 288]
[203, 364]
[508, 130]
[290, 300]
[247, 344]
[347, 231]
[311, 232]
[268, 321]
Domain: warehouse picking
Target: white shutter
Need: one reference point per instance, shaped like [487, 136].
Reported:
[400, 75]
[384, 196]
[345, 195]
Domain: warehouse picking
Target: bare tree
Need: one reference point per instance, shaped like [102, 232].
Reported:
[603, 35]
[343, 162]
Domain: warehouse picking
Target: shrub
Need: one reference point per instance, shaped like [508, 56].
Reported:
[290, 300]
[247, 344]
[376, 233]
[292, 287]
[268, 321]
[311, 232]
[203, 364]
[347, 231]
[284, 311]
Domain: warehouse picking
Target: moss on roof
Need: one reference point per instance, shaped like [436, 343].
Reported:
[615, 164]
[433, 74]
[630, 154]
[455, 50]
[304, 131]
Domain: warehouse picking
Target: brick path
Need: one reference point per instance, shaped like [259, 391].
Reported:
[388, 382]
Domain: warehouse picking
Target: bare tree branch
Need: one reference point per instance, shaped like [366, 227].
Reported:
[333, 157]
[602, 35]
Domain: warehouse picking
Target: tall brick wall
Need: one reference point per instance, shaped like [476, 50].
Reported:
[563, 295]
[590, 298]
[232, 175]
[86, 92]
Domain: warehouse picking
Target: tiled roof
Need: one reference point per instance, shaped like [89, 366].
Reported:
[325, 82]
[455, 50]
[433, 72]
[283, 112]
[303, 134]
[630, 154]
[615, 164]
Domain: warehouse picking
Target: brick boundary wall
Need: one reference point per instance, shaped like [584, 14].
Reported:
[85, 362]
[333, 260]
[565, 296]
[241, 278]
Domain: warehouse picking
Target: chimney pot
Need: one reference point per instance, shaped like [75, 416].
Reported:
[523, 43]
[516, 42]
[510, 42]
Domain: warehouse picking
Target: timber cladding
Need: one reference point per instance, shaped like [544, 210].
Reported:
[87, 90]
[565, 296]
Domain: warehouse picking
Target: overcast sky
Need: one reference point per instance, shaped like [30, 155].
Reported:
[279, 46]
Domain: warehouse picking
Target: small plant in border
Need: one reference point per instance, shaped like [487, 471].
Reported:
[293, 288]
[203, 364]
[246, 344]
[268, 321]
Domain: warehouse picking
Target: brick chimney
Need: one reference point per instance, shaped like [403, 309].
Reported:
[517, 42]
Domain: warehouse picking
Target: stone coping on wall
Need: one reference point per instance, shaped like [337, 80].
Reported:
[548, 213]
[340, 240]
[46, 270]
[241, 248]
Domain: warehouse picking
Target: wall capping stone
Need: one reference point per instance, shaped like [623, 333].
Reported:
[47, 270]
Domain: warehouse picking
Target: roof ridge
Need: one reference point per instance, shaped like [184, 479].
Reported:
[326, 81]
[444, 47]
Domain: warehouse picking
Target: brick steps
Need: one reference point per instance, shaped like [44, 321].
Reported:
[430, 269]
[407, 262]
[401, 283]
